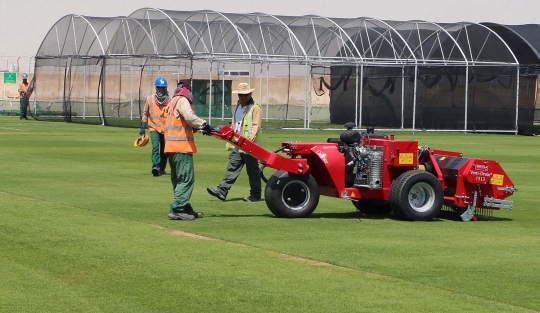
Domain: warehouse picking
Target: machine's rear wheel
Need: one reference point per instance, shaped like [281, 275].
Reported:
[290, 195]
[416, 195]
[372, 207]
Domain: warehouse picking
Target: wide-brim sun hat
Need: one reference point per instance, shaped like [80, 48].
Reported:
[243, 89]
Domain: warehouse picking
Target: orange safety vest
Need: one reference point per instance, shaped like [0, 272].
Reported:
[156, 118]
[178, 133]
[24, 87]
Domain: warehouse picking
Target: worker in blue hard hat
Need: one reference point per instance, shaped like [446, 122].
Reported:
[25, 90]
[153, 117]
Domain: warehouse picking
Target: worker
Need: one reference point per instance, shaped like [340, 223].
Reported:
[180, 123]
[153, 117]
[247, 121]
[24, 96]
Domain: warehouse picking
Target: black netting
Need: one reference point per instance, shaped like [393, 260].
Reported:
[440, 99]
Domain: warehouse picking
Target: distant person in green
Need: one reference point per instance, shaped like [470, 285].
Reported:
[24, 96]
[247, 121]
[153, 117]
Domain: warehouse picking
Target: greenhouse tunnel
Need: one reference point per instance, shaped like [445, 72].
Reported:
[309, 69]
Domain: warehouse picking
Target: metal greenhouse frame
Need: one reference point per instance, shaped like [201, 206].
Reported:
[99, 60]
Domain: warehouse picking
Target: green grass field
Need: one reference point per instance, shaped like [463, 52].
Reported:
[84, 228]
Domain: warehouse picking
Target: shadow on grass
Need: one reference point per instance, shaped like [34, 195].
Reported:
[238, 199]
[443, 216]
[342, 215]
[455, 216]
[241, 215]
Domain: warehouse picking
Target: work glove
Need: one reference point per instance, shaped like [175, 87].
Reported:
[207, 129]
[143, 129]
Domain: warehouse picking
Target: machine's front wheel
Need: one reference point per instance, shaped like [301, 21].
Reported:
[372, 207]
[416, 195]
[289, 195]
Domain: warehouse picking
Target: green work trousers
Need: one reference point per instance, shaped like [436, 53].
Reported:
[23, 108]
[183, 179]
[158, 150]
[237, 161]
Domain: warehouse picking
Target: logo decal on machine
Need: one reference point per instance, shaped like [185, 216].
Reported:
[480, 167]
[322, 156]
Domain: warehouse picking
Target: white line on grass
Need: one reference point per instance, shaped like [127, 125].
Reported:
[22, 130]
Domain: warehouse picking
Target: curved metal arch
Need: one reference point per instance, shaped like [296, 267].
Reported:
[381, 35]
[251, 43]
[104, 27]
[447, 33]
[48, 32]
[235, 27]
[185, 23]
[284, 31]
[282, 34]
[276, 35]
[128, 35]
[232, 26]
[173, 23]
[515, 33]
[362, 20]
[149, 35]
[343, 32]
[464, 26]
[71, 16]
[289, 30]
[188, 25]
[124, 25]
[172, 30]
[399, 35]
[502, 40]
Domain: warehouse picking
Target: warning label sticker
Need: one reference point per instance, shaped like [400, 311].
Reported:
[497, 180]
[406, 158]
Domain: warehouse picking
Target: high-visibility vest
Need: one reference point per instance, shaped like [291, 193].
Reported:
[23, 87]
[247, 122]
[156, 117]
[245, 127]
[178, 133]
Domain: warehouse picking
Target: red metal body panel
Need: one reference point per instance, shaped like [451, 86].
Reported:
[486, 177]
[271, 159]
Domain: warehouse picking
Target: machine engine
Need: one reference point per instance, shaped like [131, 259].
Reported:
[363, 163]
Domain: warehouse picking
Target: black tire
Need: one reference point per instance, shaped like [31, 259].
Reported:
[372, 207]
[289, 195]
[416, 195]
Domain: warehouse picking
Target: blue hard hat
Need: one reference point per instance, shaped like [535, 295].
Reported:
[161, 82]
[25, 76]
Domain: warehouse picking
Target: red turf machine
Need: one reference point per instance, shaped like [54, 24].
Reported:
[379, 174]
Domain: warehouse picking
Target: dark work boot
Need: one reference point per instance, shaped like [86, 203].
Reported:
[217, 192]
[155, 170]
[182, 216]
[194, 214]
[252, 199]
